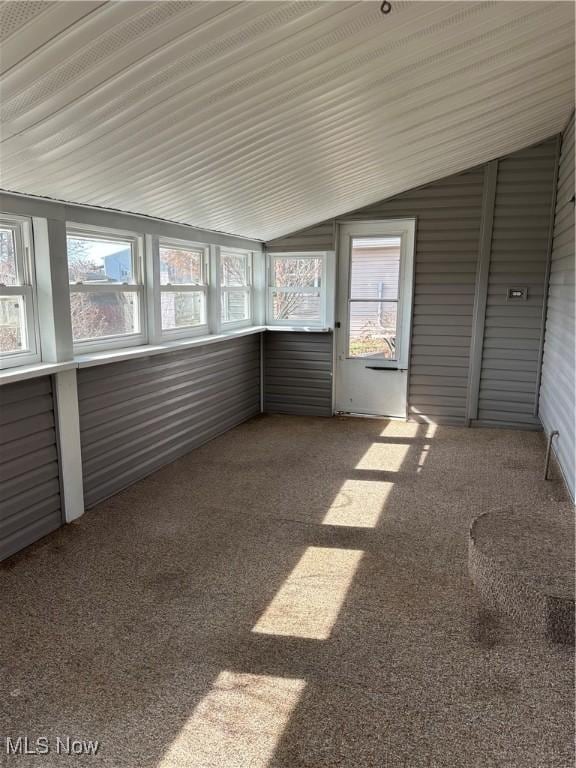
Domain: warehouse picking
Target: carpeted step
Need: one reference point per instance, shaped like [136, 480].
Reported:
[522, 564]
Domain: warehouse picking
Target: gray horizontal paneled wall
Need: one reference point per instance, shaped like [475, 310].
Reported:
[448, 225]
[558, 389]
[317, 238]
[30, 504]
[137, 415]
[298, 373]
[518, 259]
[449, 215]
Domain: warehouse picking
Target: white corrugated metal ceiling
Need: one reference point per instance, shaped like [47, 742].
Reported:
[261, 118]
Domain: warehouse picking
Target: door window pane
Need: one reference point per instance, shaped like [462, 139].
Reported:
[181, 266]
[8, 270]
[372, 329]
[104, 313]
[375, 268]
[182, 309]
[98, 260]
[12, 324]
[295, 305]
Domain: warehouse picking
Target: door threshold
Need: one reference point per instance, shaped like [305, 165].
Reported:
[369, 416]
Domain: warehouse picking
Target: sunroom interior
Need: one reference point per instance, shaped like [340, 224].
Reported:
[287, 384]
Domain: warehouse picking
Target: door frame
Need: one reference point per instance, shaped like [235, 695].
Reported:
[401, 226]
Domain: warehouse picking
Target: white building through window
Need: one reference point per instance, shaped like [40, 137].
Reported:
[374, 295]
[106, 289]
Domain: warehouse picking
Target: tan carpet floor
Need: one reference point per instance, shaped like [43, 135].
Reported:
[294, 593]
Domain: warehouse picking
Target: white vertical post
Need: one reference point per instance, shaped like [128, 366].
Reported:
[53, 290]
[66, 391]
[58, 346]
[259, 287]
[152, 283]
[330, 289]
[214, 324]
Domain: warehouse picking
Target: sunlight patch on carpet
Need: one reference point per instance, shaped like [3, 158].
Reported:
[358, 504]
[384, 456]
[308, 603]
[238, 723]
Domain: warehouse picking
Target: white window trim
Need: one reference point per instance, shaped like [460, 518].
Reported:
[248, 289]
[189, 331]
[327, 289]
[25, 268]
[114, 341]
[49, 223]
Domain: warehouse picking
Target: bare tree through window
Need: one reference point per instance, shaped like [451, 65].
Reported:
[181, 306]
[297, 280]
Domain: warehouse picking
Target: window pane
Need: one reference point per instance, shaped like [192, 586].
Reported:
[375, 268]
[234, 269]
[294, 305]
[181, 266]
[12, 324]
[8, 274]
[297, 272]
[105, 313]
[373, 329]
[235, 306]
[99, 260]
[182, 310]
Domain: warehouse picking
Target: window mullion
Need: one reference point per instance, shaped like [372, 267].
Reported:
[296, 289]
[352, 300]
[183, 288]
[105, 288]
[16, 290]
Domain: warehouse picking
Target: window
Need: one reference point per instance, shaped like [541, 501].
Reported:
[106, 289]
[235, 287]
[183, 287]
[19, 343]
[373, 300]
[297, 287]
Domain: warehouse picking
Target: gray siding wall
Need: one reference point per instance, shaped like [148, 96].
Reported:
[519, 255]
[29, 469]
[449, 216]
[557, 393]
[317, 238]
[298, 373]
[137, 415]
[448, 226]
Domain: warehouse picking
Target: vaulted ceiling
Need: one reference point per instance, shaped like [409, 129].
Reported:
[261, 118]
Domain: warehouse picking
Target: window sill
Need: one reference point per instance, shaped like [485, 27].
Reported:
[129, 353]
[23, 372]
[298, 328]
[10, 375]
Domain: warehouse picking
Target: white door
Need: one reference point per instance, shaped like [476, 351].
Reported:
[374, 307]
